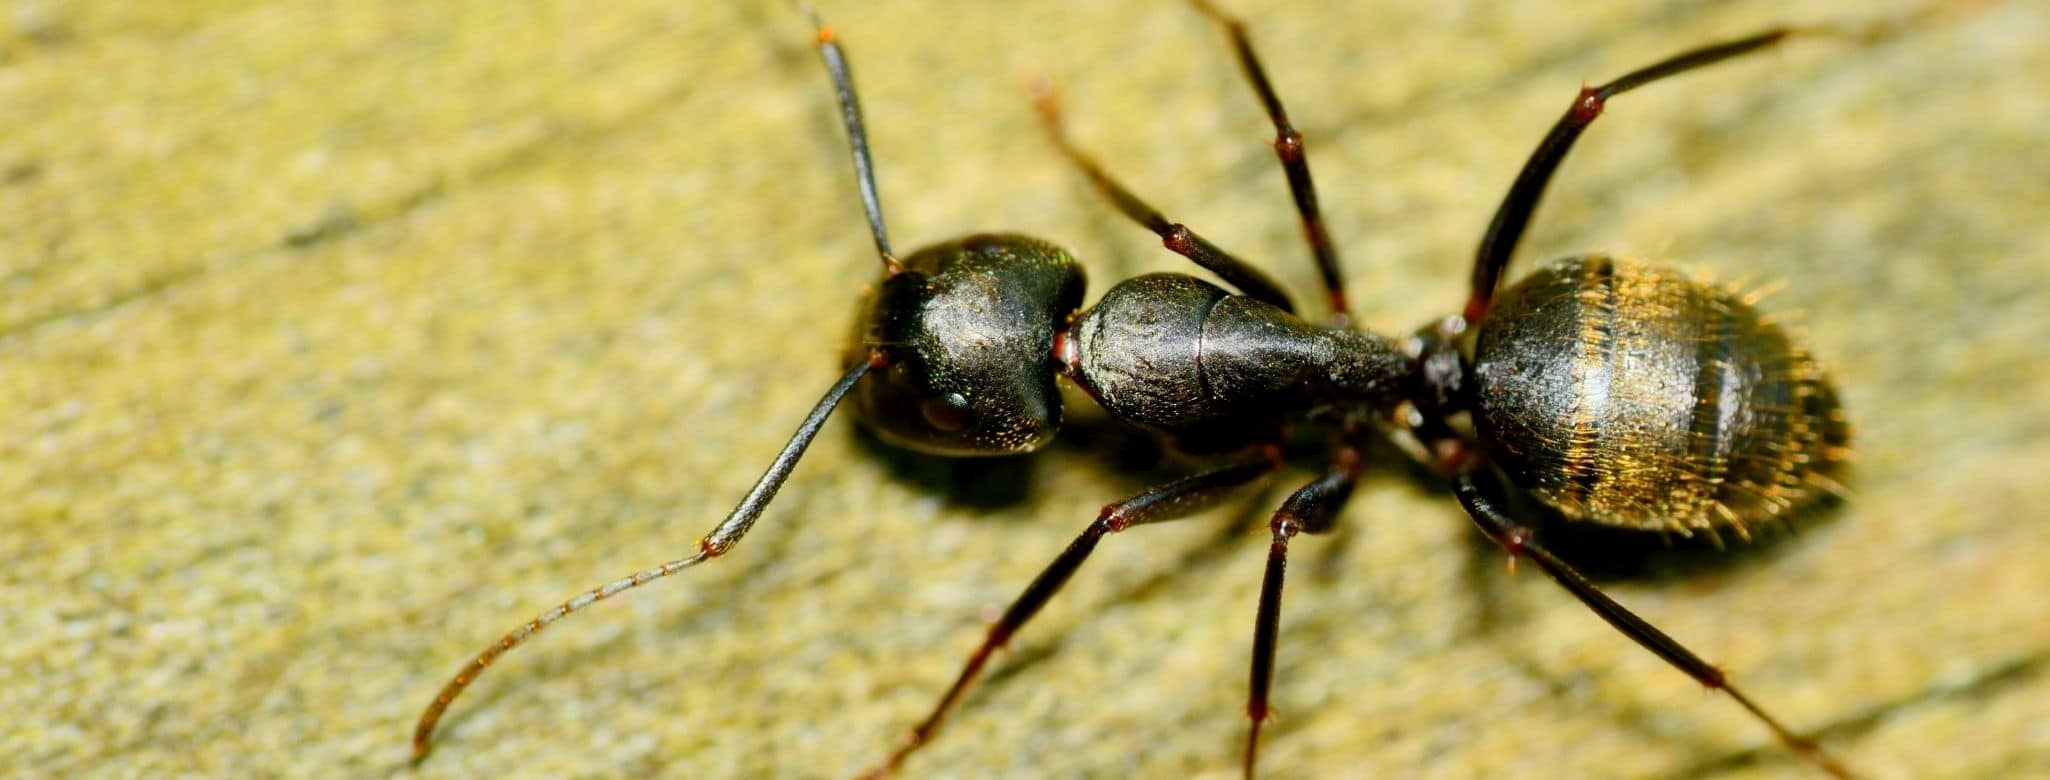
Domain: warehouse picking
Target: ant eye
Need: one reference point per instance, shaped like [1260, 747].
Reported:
[949, 412]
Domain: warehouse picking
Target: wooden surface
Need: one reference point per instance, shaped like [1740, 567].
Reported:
[337, 339]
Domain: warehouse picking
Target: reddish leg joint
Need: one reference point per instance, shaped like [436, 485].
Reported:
[1589, 105]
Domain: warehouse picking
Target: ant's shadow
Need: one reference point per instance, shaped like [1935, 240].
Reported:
[1607, 554]
[1133, 461]
[1129, 459]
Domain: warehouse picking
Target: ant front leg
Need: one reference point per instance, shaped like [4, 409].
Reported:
[1172, 501]
[1313, 508]
[1176, 236]
[1521, 541]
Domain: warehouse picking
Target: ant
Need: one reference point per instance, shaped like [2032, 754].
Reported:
[1608, 390]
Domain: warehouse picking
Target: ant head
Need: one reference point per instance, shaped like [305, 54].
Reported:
[967, 332]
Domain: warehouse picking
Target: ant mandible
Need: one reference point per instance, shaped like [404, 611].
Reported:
[1610, 391]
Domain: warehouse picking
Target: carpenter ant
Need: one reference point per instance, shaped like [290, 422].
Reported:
[1611, 391]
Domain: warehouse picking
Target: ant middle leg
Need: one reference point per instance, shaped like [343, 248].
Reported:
[1312, 509]
[1520, 540]
[1288, 145]
[1172, 501]
[1177, 237]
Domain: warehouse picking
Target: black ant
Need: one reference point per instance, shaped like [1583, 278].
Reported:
[1610, 391]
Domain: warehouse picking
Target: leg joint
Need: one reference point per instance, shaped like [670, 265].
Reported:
[1178, 239]
[1516, 540]
[1589, 104]
[1288, 144]
[1111, 520]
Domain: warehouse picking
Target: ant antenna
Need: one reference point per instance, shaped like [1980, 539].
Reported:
[857, 135]
[714, 544]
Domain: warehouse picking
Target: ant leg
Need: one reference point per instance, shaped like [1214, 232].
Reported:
[1311, 509]
[857, 136]
[1171, 501]
[1507, 227]
[1177, 237]
[1288, 145]
[1520, 541]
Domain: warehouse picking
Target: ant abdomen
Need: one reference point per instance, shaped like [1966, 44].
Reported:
[966, 329]
[1213, 371]
[1630, 395]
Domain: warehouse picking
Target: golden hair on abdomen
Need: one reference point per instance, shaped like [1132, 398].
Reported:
[1624, 394]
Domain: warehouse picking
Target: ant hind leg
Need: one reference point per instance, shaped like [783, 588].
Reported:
[1520, 540]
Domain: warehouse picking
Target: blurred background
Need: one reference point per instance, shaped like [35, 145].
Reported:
[338, 339]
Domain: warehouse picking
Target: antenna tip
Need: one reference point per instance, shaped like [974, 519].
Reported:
[1045, 99]
[825, 34]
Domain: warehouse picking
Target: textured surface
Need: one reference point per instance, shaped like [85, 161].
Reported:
[336, 339]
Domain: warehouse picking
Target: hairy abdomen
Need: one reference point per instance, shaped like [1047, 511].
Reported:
[1632, 396]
